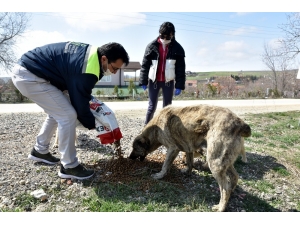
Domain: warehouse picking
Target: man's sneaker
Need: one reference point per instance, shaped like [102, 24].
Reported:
[46, 158]
[78, 172]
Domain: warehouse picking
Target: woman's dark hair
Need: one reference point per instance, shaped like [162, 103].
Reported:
[114, 51]
[167, 28]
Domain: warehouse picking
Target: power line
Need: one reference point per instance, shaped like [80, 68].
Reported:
[195, 21]
[111, 21]
[198, 25]
[224, 20]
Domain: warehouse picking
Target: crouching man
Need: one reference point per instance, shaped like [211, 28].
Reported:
[42, 75]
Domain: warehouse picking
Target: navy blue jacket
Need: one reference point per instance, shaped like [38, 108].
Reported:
[63, 65]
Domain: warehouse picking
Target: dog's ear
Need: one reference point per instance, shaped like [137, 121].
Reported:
[139, 148]
[144, 143]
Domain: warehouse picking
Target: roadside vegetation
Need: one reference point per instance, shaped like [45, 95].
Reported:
[212, 85]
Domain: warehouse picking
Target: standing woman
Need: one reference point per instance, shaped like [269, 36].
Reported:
[163, 67]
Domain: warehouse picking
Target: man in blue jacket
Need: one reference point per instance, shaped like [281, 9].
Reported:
[42, 75]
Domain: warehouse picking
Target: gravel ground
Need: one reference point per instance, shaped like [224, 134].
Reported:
[18, 175]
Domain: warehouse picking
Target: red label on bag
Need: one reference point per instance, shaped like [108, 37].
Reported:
[94, 106]
[106, 122]
[110, 137]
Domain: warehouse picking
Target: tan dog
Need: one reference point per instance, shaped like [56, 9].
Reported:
[200, 153]
[184, 129]
[55, 144]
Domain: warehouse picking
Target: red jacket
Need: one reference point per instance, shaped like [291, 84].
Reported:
[160, 73]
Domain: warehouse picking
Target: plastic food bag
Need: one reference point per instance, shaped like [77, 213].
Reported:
[106, 123]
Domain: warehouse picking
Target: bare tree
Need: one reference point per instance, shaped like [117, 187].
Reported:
[280, 65]
[291, 41]
[293, 84]
[2, 87]
[269, 57]
[12, 26]
[284, 77]
[227, 85]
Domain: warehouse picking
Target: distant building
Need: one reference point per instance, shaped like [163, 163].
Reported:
[191, 83]
[118, 78]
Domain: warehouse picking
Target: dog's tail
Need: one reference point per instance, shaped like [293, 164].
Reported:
[245, 130]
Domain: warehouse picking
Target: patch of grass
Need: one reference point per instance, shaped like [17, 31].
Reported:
[276, 203]
[283, 146]
[160, 197]
[25, 202]
[271, 116]
[255, 204]
[281, 171]
[257, 135]
[102, 205]
[121, 198]
[289, 140]
[17, 209]
[260, 142]
[281, 114]
[298, 206]
[261, 185]
[293, 159]
[271, 144]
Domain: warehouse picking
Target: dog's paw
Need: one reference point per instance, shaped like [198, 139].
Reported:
[215, 208]
[244, 160]
[157, 176]
[218, 208]
[186, 171]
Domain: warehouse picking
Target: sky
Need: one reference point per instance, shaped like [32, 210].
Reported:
[216, 36]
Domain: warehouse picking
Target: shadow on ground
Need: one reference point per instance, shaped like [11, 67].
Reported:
[129, 182]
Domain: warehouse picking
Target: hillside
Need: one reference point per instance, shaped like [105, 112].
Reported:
[204, 75]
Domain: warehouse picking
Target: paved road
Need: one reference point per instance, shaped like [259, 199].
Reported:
[256, 105]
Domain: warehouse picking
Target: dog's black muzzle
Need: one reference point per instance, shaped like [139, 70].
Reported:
[133, 156]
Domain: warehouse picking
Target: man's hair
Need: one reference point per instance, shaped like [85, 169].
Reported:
[167, 28]
[114, 51]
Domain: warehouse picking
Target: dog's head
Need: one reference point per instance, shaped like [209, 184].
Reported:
[140, 148]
